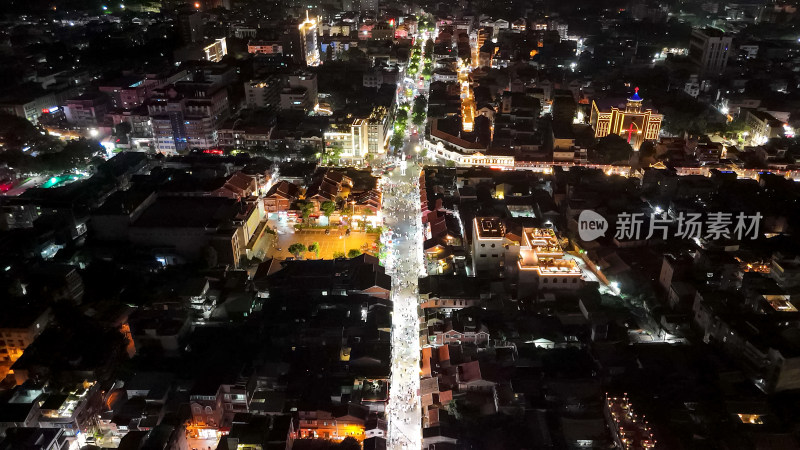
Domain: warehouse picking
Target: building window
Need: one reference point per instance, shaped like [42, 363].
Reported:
[492, 245]
[483, 245]
[483, 256]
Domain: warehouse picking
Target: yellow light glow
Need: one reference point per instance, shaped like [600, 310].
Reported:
[752, 419]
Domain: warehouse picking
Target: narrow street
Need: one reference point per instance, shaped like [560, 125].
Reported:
[404, 263]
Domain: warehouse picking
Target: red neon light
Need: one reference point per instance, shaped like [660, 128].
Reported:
[631, 130]
[213, 151]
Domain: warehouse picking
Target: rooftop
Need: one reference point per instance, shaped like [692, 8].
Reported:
[188, 212]
[489, 227]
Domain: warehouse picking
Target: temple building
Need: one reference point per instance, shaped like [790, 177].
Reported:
[630, 119]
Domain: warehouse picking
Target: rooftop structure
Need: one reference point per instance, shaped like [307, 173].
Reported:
[780, 303]
[541, 253]
[490, 227]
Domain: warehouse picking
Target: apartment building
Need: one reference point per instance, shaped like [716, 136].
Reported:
[19, 327]
[709, 49]
[187, 115]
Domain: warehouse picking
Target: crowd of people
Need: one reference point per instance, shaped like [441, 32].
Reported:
[403, 237]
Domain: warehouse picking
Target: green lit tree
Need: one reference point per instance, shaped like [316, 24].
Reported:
[353, 253]
[327, 208]
[306, 208]
[397, 140]
[419, 110]
[297, 249]
[314, 247]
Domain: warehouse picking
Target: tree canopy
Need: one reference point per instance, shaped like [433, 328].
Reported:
[327, 208]
[314, 247]
[613, 148]
[297, 249]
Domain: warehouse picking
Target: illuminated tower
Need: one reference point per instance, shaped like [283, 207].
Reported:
[308, 41]
[300, 42]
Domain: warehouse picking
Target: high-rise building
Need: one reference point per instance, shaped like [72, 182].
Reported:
[348, 139]
[378, 124]
[359, 137]
[263, 93]
[301, 42]
[87, 110]
[370, 5]
[301, 94]
[709, 50]
[213, 4]
[190, 26]
[187, 115]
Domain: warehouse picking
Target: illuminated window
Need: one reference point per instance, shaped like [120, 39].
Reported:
[753, 419]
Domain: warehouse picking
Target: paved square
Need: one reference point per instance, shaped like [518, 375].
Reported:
[334, 242]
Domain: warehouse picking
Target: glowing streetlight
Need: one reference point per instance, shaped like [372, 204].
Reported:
[93, 132]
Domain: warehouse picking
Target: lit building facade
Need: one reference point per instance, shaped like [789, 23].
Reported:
[308, 41]
[361, 137]
[265, 47]
[216, 50]
[489, 244]
[348, 139]
[187, 116]
[632, 121]
[18, 331]
[321, 424]
[543, 265]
